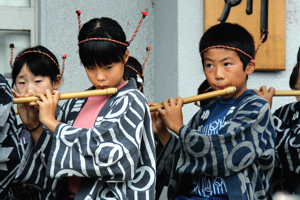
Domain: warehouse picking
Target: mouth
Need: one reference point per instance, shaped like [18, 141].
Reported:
[221, 87]
[102, 87]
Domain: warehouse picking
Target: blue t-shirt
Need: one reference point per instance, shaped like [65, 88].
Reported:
[208, 186]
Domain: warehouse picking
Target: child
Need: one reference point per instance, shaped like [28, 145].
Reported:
[34, 71]
[227, 149]
[286, 176]
[103, 146]
[9, 148]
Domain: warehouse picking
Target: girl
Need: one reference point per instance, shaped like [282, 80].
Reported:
[34, 71]
[103, 147]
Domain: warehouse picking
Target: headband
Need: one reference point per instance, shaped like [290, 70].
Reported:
[11, 46]
[141, 76]
[109, 39]
[264, 33]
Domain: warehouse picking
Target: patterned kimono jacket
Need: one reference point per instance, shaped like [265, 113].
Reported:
[115, 158]
[287, 166]
[9, 148]
[242, 153]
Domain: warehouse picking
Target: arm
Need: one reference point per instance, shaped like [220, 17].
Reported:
[287, 145]
[245, 138]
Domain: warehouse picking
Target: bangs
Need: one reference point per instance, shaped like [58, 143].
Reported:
[91, 53]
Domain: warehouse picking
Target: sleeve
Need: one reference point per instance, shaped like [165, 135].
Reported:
[9, 149]
[244, 139]
[287, 149]
[164, 163]
[108, 151]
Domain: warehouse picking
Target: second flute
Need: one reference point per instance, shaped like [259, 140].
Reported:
[199, 97]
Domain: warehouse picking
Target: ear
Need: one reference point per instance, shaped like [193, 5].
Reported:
[126, 56]
[250, 67]
[57, 82]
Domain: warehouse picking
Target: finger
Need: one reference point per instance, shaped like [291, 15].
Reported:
[165, 104]
[179, 102]
[15, 93]
[172, 102]
[56, 96]
[272, 90]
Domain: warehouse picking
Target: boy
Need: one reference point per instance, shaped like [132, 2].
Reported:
[227, 149]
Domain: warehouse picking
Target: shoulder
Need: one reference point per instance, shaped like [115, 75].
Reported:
[250, 98]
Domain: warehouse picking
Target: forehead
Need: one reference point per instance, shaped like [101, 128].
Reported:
[220, 54]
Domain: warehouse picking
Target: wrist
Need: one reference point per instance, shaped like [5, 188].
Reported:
[31, 129]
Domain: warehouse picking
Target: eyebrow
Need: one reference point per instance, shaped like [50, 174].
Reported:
[222, 60]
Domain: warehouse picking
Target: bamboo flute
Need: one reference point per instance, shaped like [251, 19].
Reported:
[70, 95]
[199, 97]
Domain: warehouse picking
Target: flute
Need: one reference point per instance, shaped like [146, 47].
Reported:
[199, 97]
[70, 95]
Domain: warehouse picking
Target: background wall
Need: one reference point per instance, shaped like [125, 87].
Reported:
[172, 28]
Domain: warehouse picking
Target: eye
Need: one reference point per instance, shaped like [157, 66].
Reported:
[38, 81]
[90, 68]
[108, 67]
[21, 83]
[227, 64]
[208, 65]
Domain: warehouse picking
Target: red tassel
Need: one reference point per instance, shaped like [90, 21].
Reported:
[145, 13]
[78, 12]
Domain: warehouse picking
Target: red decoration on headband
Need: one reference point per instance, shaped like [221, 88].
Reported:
[265, 32]
[147, 56]
[103, 39]
[79, 19]
[109, 39]
[11, 46]
[35, 51]
[138, 27]
[64, 56]
[226, 47]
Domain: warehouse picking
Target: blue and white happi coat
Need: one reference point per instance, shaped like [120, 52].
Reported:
[287, 150]
[9, 143]
[242, 153]
[115, 158]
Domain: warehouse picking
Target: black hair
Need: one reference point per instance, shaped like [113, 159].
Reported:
[134, 63]
[37, 63]
[101, 53]
[295, 73]
[204, 88]
[232, 35]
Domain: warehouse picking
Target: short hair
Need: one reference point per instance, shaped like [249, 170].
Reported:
[37, 63]
[232, 35]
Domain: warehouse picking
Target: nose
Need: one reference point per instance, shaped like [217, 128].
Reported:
[100, 75]
[219, 74]
[30, 89]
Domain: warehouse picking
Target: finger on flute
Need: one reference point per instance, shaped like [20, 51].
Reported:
[199, 97]
[70, 95]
